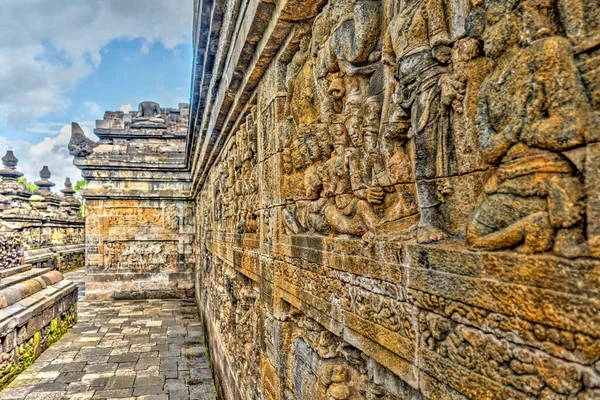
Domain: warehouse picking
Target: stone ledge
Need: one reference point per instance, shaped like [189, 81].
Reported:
[133, 285]
[62, 258]
[434, 293]
[30, 326]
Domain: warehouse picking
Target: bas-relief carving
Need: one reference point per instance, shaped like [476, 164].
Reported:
[391, 112]
[375, 113]
[135, 216]
[235, 189]
[533, 114]
[139, 256]
[320, 365]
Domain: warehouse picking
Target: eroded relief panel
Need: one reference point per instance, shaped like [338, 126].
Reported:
[139, 248]
[408, 207]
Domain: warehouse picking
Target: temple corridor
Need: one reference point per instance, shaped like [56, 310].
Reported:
[141, 349]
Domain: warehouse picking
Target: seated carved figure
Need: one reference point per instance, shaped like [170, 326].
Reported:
[532, 113]
[351, 209]
[305, 215]
[148, 116]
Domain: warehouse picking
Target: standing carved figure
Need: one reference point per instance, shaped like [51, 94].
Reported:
[532, 113]
[417, 46]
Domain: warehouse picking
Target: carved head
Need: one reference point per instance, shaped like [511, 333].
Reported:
[371, 112]
[537, 20]
[323, 139]
[312, 148]
[354, 125]
[502, 27]
[340, 136]
[286, 158]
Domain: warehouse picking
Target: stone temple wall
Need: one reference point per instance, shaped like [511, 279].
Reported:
[50, 226]
[41, 236]
[140, 222]
[398, 199]
[142, 248]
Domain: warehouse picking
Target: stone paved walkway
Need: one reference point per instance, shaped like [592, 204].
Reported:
[143, 350]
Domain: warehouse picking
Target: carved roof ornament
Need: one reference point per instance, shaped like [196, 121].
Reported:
[9, 172]
[80, 145]
[68, 190]
[149, 116]
[44, 183]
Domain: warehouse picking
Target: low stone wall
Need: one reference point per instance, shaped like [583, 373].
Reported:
[37, 306]
[41, 236]
[50, 227]
[61, 258]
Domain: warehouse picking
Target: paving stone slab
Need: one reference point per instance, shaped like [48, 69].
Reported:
[155, 353]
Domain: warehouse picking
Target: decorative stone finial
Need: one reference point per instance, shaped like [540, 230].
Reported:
[9, 160]
[68, 190]
[45, 172]
[80, 145]
[44, 184]
[9, 172]
[69, 202]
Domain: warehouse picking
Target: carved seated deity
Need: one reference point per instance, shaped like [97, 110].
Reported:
[532, 113]
[306, 214]
[149, 116]
[350, 208]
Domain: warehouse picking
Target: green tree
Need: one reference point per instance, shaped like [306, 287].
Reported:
[31, 186]
[79, 186]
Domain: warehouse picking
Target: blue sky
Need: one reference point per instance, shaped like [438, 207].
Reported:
[71, 60]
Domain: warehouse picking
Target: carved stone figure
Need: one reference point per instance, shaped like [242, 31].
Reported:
[417, 45]
[347, 213]
[149, 116]
[80, 145]
[532, 115]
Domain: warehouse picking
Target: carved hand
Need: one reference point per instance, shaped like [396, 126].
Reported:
[442, 54]
[375, 195]
[453, 90]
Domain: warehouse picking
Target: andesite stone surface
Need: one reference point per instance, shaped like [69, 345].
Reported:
[399, 199]
[140, 220]
[41, 235]
[143, 350]
[373, 199]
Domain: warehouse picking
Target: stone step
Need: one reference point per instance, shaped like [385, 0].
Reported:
[22, 276]
[5, 273]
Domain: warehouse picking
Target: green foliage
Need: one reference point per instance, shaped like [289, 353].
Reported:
[79, 186]
[31, 186]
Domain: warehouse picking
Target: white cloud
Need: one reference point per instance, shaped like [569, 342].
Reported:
[49, 45]
[91, 108]
[51, 151]
[125, 108]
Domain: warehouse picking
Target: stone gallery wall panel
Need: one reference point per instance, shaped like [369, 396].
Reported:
[407, 204]
[139, 248]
